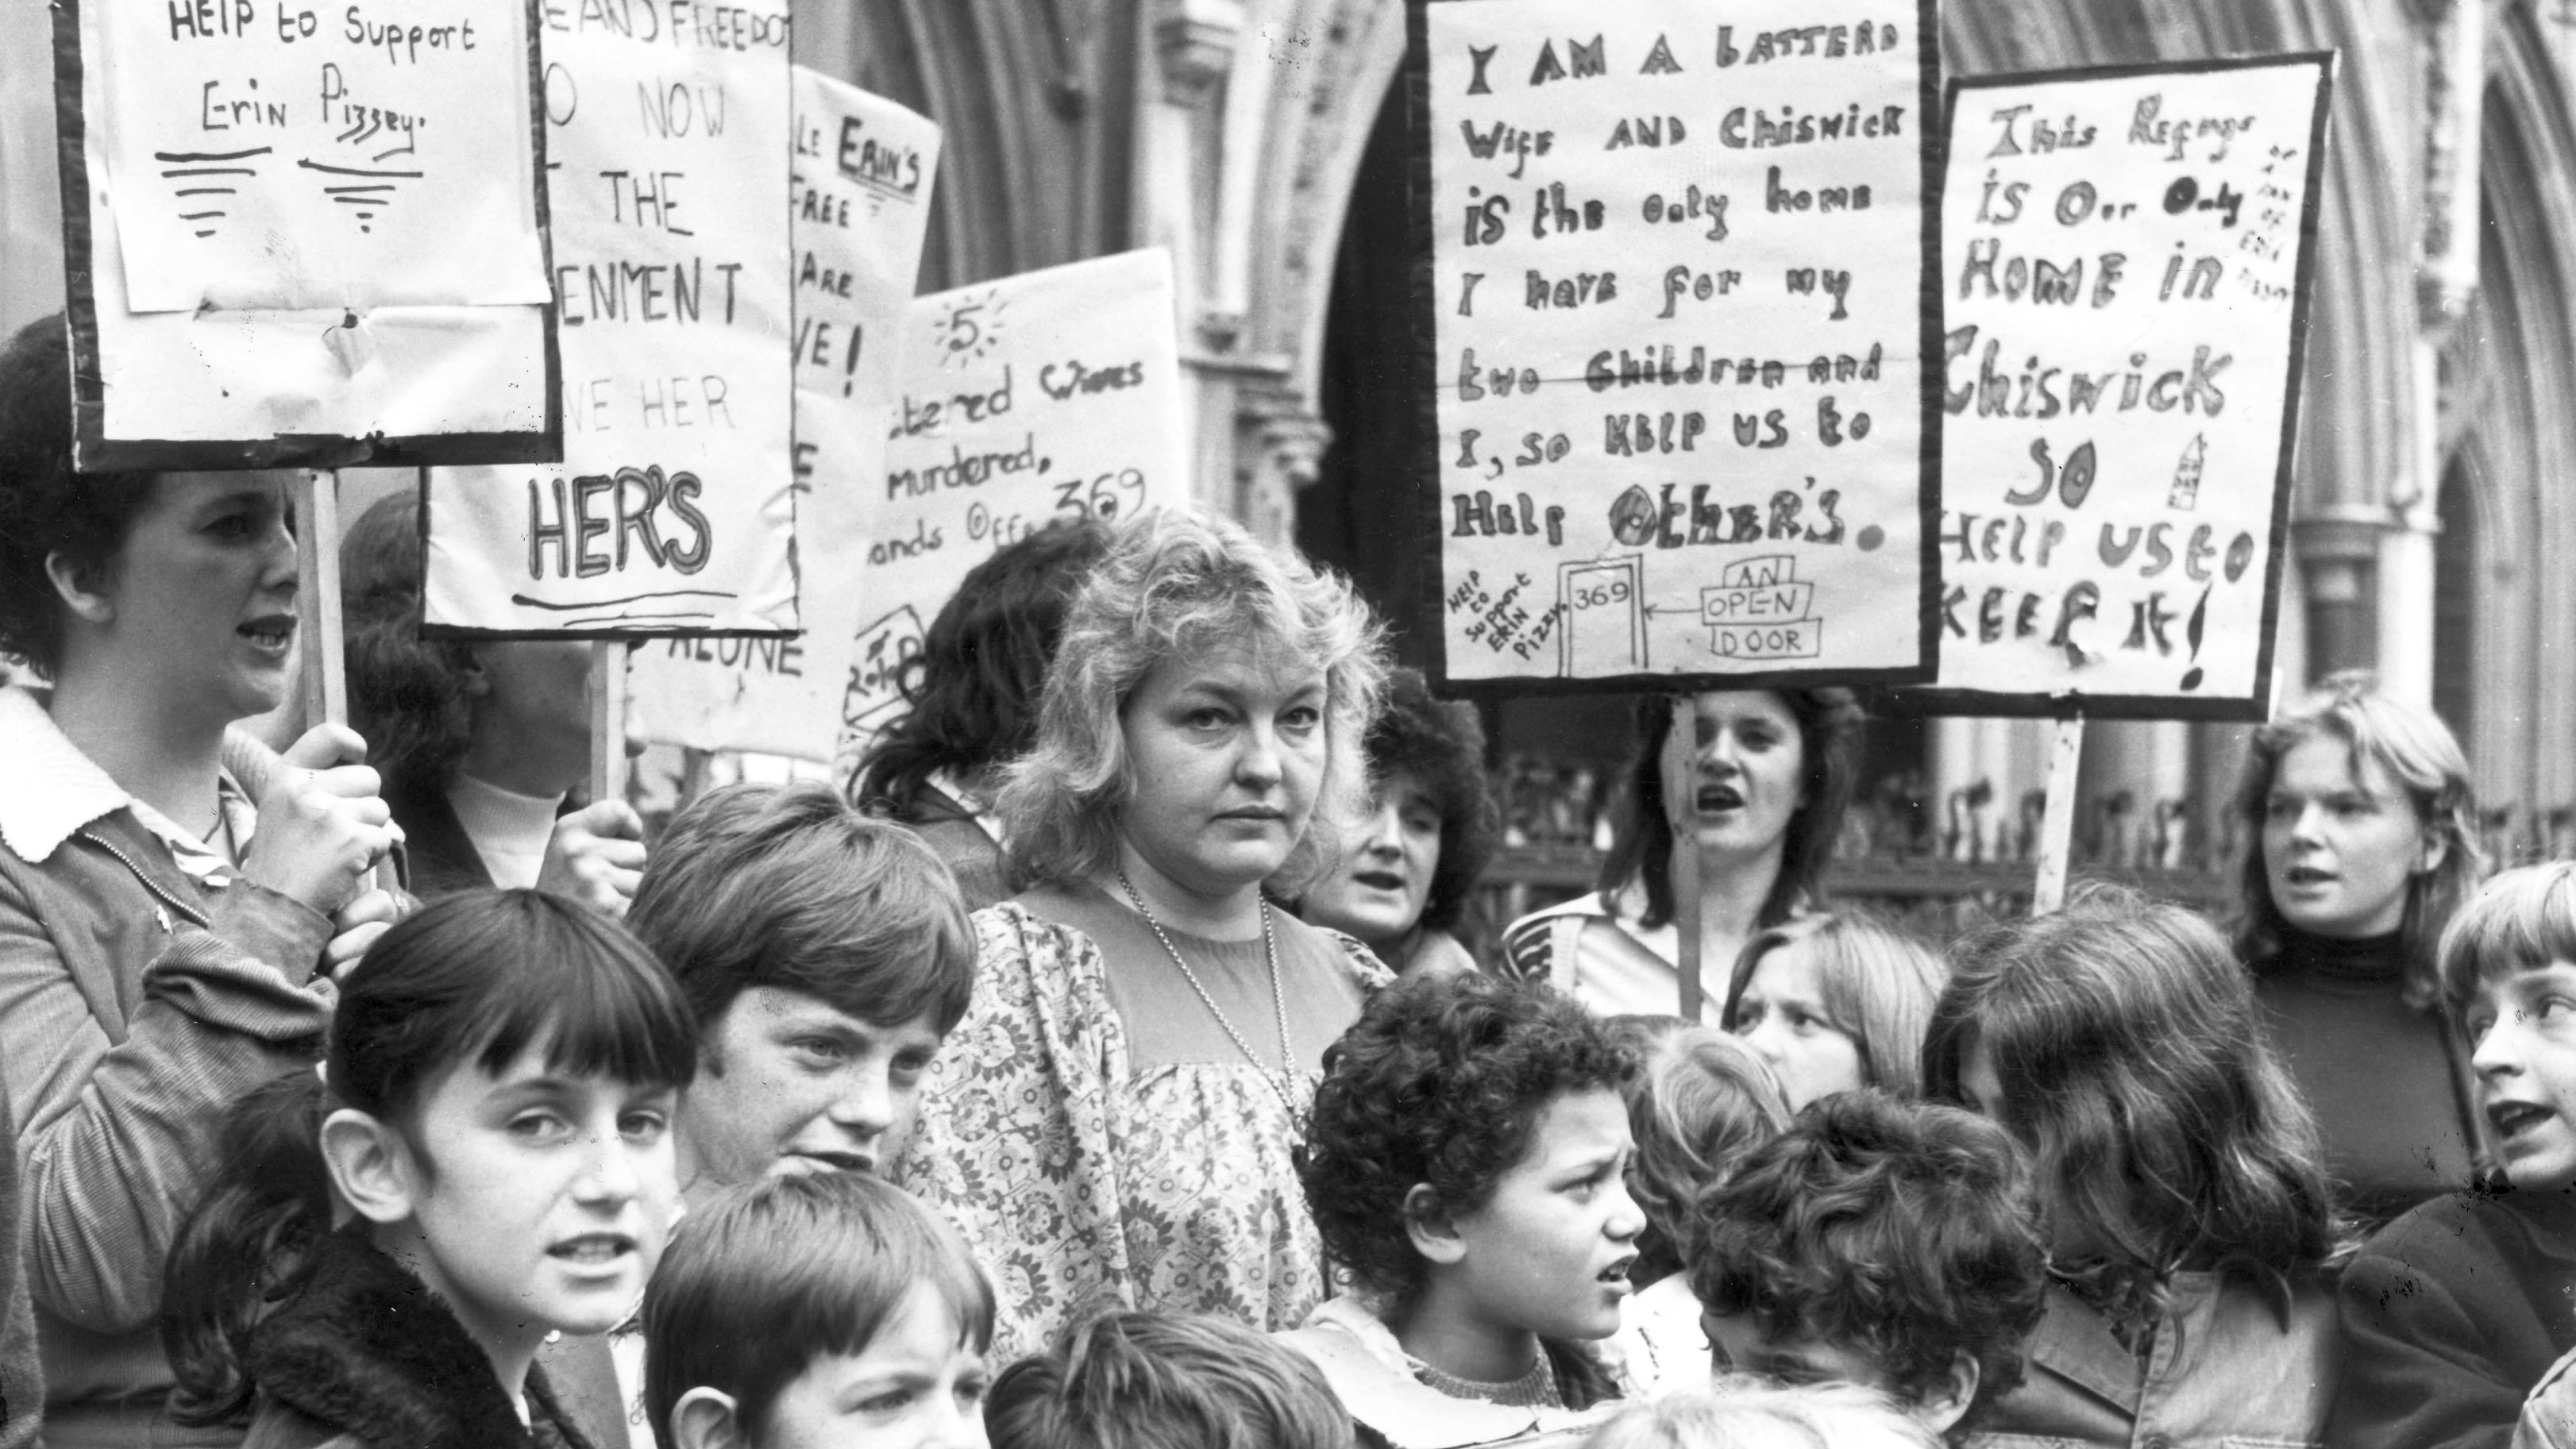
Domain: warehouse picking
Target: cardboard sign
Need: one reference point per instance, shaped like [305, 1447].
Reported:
[294, 236]
[1054, 394]
[672, 511]
[1678, 262]
[2126, 265]
[861, 197]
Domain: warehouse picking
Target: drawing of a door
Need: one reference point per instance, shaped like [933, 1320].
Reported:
[1604, 603]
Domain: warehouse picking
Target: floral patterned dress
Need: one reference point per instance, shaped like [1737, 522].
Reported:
[1084, 1183]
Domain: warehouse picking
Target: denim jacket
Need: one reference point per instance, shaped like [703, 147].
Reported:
[2232, 1366]
[135, 1006]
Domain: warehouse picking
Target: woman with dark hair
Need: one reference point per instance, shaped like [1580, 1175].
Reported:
[168, 891]
[478, 744]
[974, 691]
[2190, 1224]
[2361, 843]
[1404, 883]
[1764, 785]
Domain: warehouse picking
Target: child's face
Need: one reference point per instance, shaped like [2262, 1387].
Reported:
[794, 1084]
[546, 1196]
[2524, 1028]
[919, 1384]
[1549, 1253]
[1781, 1015]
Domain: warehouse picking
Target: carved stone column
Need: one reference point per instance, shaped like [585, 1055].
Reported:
[1283, 450]
[2446, 278]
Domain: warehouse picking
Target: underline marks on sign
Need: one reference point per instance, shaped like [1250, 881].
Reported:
[376, 194]
[523, 601]
[183, 164]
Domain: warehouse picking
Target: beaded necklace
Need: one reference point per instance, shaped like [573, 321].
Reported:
[1278, 1003]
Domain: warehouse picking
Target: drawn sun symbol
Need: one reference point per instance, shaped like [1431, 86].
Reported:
[969, 328]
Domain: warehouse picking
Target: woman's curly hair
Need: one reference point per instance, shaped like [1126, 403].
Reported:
[1904, 1231]
[45, 508]
[1440, 1085]
[1171, 584]
[1441, 744]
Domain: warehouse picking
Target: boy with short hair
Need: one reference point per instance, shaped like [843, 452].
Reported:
[1133, 1380]
[1885, 1243]
[1467, 1162]
[821, 1309]
[2452, 1313]
[827, 956]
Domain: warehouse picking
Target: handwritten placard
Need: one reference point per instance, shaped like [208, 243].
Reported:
[1678, 259]
[298, 236]
[298, 154]
[1052, 394]
[673, 510]
[861, 207]
[2125, 271]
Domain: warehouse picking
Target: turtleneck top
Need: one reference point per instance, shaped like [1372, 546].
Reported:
[2373, 1069]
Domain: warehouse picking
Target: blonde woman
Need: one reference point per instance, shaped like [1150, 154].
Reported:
[2359, 812]
[1118, 1119]
[1831, 1003]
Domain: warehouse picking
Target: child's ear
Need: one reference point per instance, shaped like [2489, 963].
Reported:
[706, 1419]
[371, 1165]
[1427, 1223]
[1947, 1402]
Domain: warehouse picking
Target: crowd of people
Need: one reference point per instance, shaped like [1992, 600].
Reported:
[1099, 1068]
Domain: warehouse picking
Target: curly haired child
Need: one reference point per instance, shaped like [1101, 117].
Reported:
[1467, 1165]
[1879, 1242]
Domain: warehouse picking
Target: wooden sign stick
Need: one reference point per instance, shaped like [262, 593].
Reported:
[324, 678]
[322, 683]
[1680, 762]
[2057, 825]
[608, 721]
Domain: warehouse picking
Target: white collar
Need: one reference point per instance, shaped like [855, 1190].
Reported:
[54, 789]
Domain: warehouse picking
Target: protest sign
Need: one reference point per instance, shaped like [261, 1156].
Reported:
[1676, 307]
[672, 511]
[293, 236]
[1050, 395]
[2126, 264]
[861, 198]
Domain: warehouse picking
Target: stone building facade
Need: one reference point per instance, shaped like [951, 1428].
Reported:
[1262, 141]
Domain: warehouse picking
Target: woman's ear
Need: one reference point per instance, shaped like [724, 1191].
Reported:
[476, 680]
[2436, 850]
[79, 589]
[370, 1165]
[707, 1419]
[1946, 1403]
[1427, 1223]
